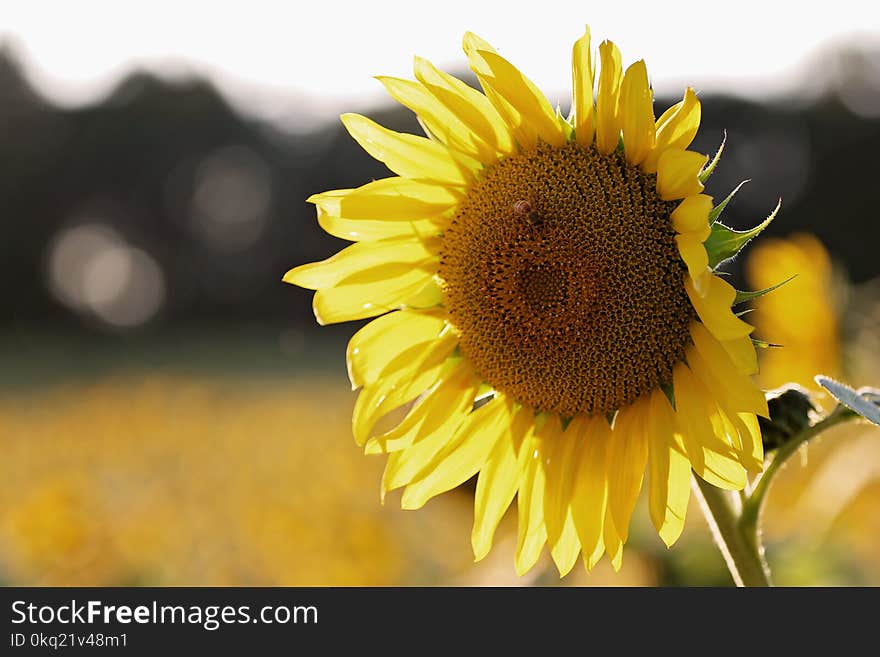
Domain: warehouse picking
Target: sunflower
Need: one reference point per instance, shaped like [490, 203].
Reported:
[548, 315]
[801, 316]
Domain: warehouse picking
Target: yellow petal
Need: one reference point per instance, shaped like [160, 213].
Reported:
[438, 118]
[440, 409]
[567, 548]
[750, 438]
[471, 42]
[743, 353]
[711, 458]
[471, 107]
[613, 542]
[359, 230]
[498, 482]
[556, 464]
[434, 435]
[714, 366]
[532, 533]
[694, 254]
[730, 427]
[404, 379]
[714, 309]
[377, 344]
[590, 492]
[560, 467]
[692, 216]
[520, 131]
[676, 129]
[466, 453]
[405, 465]
[361, 257]
[408, 155]
[390, 199]
[531, 104]
[607, 116]
[429, 297]
[677, 174]
[627, 457]
[526, 110]
[582, 90]
[637, 113]
[669, 472]
[373, 292]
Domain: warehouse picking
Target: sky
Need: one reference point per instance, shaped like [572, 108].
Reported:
[284, 58]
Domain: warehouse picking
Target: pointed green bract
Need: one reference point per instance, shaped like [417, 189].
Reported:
[742, 297]
[715, 213]
[610, 415]
[669, 391]
[424, 126]
[565, 122]
[763, 344]
[709, 168]
[855, 400]
[724, 243]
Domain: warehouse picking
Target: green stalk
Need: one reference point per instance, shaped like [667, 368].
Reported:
[737, 532]
[750, 518]
[744, 558]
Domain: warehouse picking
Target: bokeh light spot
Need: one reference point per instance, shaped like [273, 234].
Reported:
[232, 199]
[93, 271]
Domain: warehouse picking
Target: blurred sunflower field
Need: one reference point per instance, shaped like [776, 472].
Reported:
[223, 475]
[171, 415]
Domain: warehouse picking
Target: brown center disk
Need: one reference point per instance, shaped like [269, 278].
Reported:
[562, 274]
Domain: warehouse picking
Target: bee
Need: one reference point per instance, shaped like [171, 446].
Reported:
[524, 208]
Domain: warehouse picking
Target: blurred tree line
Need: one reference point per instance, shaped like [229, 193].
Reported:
[217, 198]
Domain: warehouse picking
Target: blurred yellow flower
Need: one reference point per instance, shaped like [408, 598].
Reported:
[801, 315]
[545, 274]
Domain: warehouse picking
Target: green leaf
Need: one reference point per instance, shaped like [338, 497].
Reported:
[709, 168]
[725, 242]
[742, 297]
[864, 402]
[715, 214]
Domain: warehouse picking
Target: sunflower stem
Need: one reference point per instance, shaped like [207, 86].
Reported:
[742, 553]
[750, 518]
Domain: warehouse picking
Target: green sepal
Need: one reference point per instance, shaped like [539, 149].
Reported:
[725, 243]
[715, 213]
[790, 409]
[669, 391]
[430, 135]
[568, 119]
[864, 401]
[566, 122]
[742, 297]
[610, 416]
[763, 344]
[484, 395]
[709, 168]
